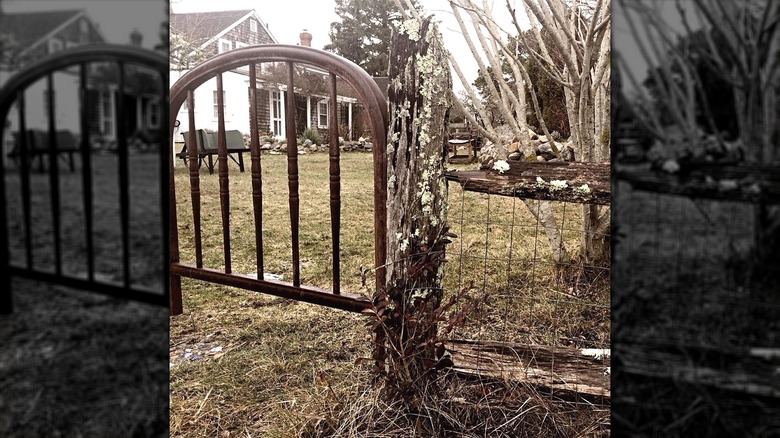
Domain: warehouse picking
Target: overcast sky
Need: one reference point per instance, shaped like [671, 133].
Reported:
[286, 20]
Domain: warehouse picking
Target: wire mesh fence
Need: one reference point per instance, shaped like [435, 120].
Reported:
[542, 322]
[695, 313]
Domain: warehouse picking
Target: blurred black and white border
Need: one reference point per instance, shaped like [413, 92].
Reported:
[696, 189]
[77, 363]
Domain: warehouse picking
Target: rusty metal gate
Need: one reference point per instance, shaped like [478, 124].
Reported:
[79, 63]
[250, 57]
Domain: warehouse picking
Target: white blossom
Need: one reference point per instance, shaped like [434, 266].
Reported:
[558, 184]
[501, 166]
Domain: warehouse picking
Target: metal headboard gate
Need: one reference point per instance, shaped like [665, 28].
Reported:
[13, 91]
[368, 93]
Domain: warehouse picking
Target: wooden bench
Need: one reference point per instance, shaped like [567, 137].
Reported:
[37, 145]
[207, 147]
[462, 135]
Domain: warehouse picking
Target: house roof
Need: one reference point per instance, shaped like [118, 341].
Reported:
[28, 29]
[202, 28]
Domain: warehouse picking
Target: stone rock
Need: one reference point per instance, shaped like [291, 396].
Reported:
[312, 147]
[515, 156]
[265, 147]
[544, 148]
[307, 142]
[567, 153]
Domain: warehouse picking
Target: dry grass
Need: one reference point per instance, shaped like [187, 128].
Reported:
[80, 364]
[291, 369]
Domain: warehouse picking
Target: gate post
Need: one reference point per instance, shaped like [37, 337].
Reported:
[419, 99]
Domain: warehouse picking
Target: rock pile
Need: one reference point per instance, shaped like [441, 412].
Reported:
[278, 146]
[535, 148]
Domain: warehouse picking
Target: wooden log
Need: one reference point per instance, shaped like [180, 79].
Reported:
[748, 183]
[584, 183]
[562, 370]
[751, 372]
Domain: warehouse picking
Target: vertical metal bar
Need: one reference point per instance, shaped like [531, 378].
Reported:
[335, 183]
[292, 173]
[54, 175]
[6, 300]
[24, 151]
[192, 152]
[86, 171]
[224, 181]
[175, 306]
[257, 179]
[166, 160]
[124, 179]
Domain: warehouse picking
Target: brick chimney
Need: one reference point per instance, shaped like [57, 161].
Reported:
[136, 37]
[305, 38]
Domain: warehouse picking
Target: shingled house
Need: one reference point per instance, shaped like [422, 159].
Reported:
[32, 36]
[198, 36]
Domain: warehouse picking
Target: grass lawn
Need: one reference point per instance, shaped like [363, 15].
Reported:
[247, 364]
[75, 363]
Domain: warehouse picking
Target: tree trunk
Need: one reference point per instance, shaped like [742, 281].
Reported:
[419, 101]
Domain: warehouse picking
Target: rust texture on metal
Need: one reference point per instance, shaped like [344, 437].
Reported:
[292, 173]
[257, 180]
[334, 171]
[192, 151]
[224, 179]
[13, 92]
[313, 295]
[368, 94]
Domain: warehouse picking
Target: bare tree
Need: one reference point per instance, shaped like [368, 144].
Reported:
[579, 32]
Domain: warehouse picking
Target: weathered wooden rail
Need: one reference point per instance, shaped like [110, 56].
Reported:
[584, 183]
[728, 182]
[14, 92]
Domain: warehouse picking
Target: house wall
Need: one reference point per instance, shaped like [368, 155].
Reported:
[236, 103]
[66, 85]
[242, 33]
[70, 36]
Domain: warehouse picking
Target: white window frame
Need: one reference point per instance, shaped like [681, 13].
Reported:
[239, 44]
[276, 99]
[224, 103]
[253, 25]
[323, 113]
[107, 125]
[153, 106]
[224, 41]
[55, 45]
